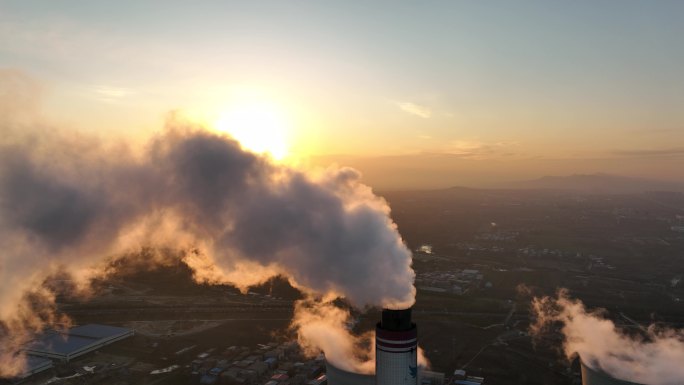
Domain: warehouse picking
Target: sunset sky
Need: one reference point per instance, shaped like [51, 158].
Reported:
[412, 93]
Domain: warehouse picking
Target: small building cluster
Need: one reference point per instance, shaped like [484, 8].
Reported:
[267, 364]
[274, 363]
[461, 378]
[454, 281]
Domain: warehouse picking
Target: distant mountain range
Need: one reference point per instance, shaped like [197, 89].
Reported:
[597, 183]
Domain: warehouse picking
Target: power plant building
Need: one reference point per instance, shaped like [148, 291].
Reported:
[35, 365]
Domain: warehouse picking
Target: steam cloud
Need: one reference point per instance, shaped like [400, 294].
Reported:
[654, 358]
[323, 326]
[71, 202]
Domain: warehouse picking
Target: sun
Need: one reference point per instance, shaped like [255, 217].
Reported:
[260, 126]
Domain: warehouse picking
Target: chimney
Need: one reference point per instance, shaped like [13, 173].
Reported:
[396, 349]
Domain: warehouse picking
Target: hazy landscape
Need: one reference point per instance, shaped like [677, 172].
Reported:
[341, 193]
[522, 243]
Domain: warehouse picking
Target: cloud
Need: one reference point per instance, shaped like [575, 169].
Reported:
[109, 93]
[477, 149]
[465, 147]
[415, 109]
[672, 151]
[20, 96]
[652, 131]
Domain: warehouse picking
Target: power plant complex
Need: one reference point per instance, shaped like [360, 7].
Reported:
[396, 359]
[396, 354]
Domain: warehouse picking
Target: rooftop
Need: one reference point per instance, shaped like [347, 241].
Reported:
[76, 341]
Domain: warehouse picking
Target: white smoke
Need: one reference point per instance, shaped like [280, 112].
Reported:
[653, 358]
[322, 326]
[70, 202]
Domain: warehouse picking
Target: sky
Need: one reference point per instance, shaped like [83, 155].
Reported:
[459, 92]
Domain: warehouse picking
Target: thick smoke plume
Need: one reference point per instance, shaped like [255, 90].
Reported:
[71, 202]
[654, 357]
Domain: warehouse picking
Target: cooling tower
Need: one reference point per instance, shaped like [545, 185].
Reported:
[337, 376]
[396, 349]
[598, 377]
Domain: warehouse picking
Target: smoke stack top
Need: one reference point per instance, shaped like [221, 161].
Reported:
[396, 320]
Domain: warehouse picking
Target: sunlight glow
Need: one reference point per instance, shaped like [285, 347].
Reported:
[260, 126]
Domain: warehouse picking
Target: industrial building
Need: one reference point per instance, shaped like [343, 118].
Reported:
[75, 342]
[598, 377]
[35, 365]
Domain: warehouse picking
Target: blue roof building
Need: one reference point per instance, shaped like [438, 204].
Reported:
[76, 342]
